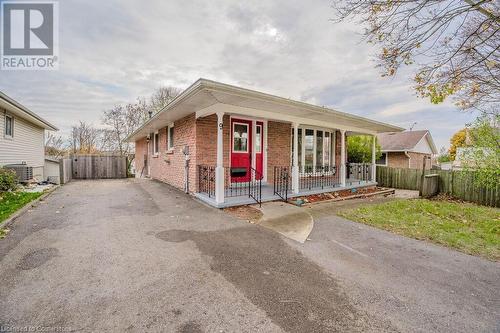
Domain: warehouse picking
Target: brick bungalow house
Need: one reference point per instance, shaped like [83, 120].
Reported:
[229, 146]
[406, 149]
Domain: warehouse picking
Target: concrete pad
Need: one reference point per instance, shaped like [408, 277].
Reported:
[406, 194]
[289, 220]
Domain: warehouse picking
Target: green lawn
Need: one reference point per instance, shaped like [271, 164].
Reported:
[12, 201]
[466, 227]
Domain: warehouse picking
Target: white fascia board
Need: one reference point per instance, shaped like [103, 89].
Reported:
[428, 136]
[430, 144]
[248, 93]
[26, 115]
[149, 123]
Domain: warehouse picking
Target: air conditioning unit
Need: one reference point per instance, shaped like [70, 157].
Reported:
[24, 173]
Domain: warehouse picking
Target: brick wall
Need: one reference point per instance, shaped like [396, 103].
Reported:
[400, 160]
[278, 147]
[201, 137]
[206, 140]
[417, 161]
[168, 166]
[397, 160]
[278, 138]
[140, 151]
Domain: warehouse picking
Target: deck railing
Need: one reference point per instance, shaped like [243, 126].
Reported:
[206, 180]
[359, 172]
[319, 177]
[237, 182]
[243, 182]
[282, 180]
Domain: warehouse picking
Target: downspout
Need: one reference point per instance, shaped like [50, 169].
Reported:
[185, 151]
[409, 158]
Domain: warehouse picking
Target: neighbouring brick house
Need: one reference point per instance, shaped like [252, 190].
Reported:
[406, 149]
[229, 145]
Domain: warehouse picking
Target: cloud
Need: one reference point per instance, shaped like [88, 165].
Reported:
[114, 51]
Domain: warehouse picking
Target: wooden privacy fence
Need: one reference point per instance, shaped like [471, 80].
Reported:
[98, 167]
[92, 167]
[459, 184]
[408, 179]
[65, 171]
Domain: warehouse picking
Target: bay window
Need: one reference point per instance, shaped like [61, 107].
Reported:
[316, 149]
[308, 149]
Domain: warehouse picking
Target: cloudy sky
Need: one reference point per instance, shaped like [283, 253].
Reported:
[115, 50]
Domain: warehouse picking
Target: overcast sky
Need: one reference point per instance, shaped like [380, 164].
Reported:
[115, 50]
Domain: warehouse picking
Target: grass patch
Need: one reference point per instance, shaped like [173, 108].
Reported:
[12, 201]
[466, 227]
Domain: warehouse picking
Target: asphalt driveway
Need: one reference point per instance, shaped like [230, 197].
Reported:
[137, 255]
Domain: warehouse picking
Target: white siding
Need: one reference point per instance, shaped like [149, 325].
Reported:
[51, 169]
[27, 145]
[423, 146]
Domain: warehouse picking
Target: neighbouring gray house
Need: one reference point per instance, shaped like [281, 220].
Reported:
[23, 136]
[406, 149]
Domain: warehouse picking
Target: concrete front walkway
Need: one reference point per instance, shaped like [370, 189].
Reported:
[139, 256]
[289, 220]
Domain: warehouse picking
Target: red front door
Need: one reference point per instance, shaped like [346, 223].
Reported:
[241, 150]
[259, 147]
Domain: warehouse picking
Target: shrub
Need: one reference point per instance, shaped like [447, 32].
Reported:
[8, 180]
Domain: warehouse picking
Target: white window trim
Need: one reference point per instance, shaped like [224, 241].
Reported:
[155, 144]
[333, 138]
[260, 135]
[329, 148]
[386, 158]
[170, 145]
[5, 126]
[324, 149]
[333, 142]
[229, 146]
[232, 137]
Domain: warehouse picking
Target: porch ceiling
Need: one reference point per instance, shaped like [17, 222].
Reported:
[207, 97]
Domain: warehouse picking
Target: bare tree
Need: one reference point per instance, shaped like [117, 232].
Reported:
[454, 44]
[122, 121]
[161, 97]
[54, 146]
[87, 139]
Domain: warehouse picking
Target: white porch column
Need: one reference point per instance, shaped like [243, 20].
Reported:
[374, 151]
[219, 170]
[295, 159]
[343, 172]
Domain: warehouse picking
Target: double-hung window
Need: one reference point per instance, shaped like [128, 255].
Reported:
[9, 126]
[156, 143]
[170, 137]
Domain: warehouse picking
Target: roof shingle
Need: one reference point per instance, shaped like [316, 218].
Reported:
[400, 141]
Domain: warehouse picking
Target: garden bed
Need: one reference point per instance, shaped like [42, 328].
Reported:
[246, 212]
[341, 195]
